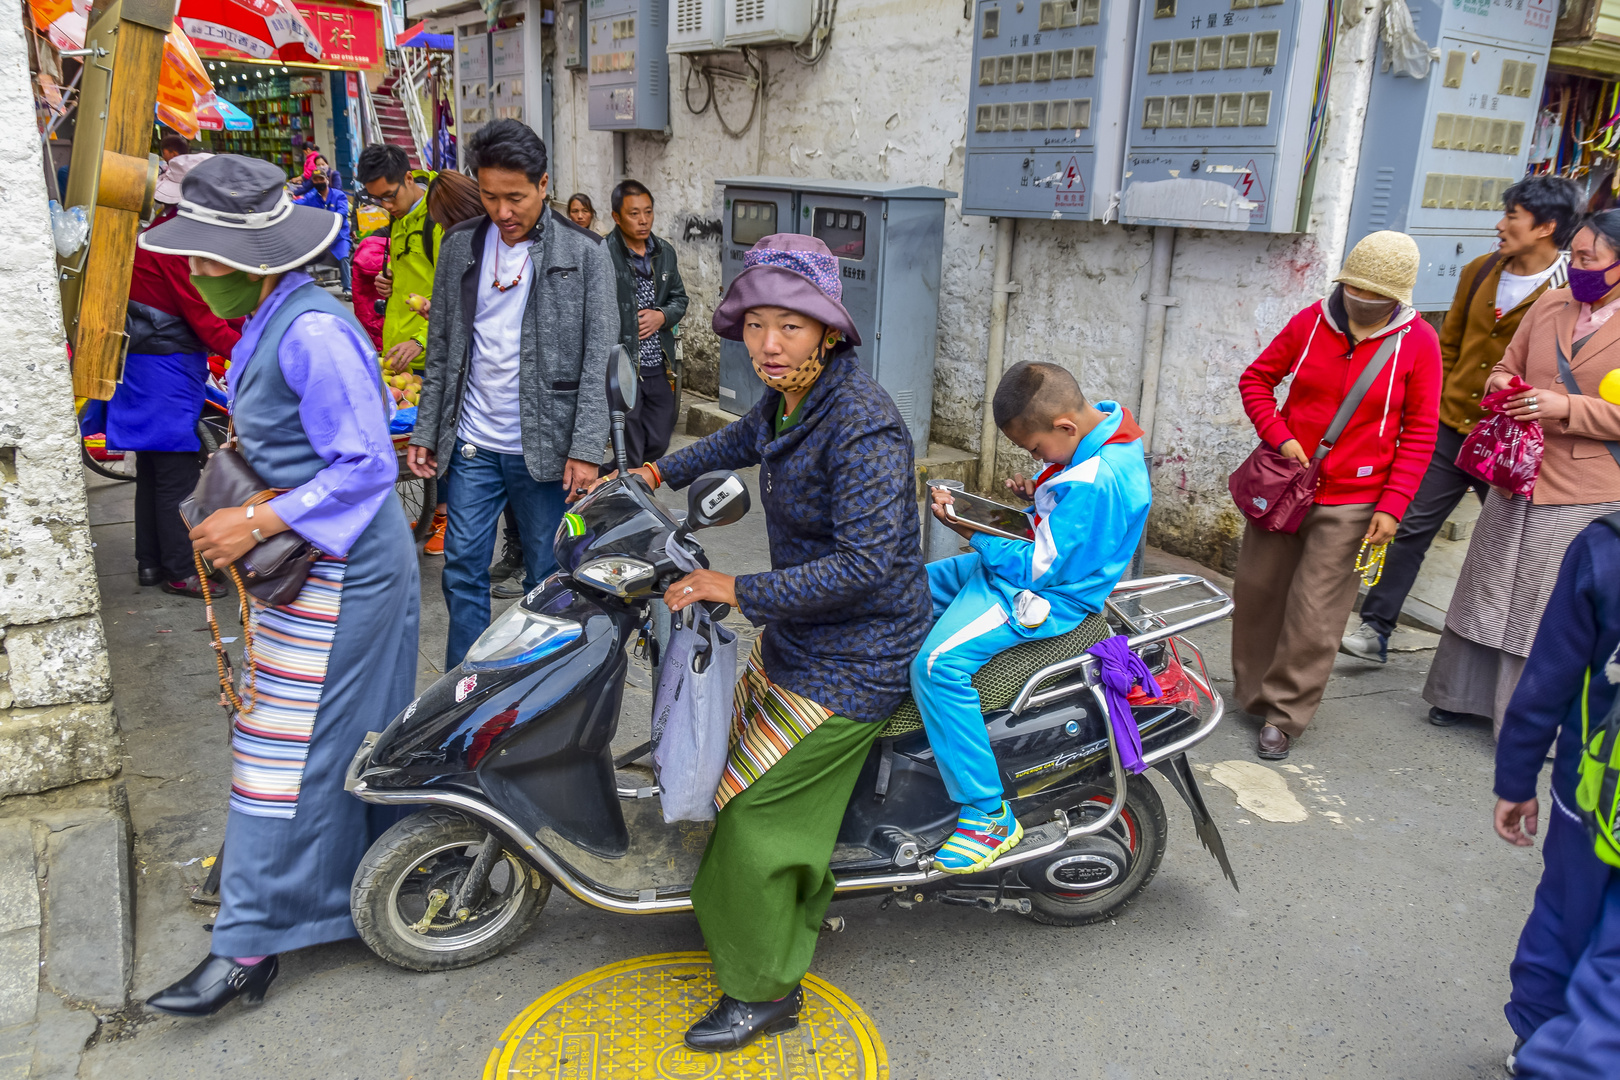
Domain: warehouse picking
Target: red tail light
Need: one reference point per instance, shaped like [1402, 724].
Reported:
[1178, 689]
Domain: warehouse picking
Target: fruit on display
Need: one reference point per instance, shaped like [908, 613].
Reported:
[405, 388]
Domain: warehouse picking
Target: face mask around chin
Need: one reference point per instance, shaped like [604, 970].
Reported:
[797, 379]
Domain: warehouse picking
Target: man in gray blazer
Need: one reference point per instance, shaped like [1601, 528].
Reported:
[514, 399]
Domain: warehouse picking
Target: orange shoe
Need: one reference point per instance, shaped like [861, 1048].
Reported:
[435, 542]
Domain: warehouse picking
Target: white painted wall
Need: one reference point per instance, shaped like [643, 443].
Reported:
[889, 103]
[56, 724]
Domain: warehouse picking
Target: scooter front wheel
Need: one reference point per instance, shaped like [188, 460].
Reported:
[410, 901]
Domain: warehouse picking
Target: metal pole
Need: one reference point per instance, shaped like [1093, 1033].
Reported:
[1001, 289]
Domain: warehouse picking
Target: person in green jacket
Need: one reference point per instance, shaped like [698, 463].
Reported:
[413, 245]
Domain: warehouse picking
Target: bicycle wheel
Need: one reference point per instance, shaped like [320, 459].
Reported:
[113, 464]
[419, 497]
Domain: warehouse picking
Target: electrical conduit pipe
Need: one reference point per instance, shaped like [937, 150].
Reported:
[1001, 290]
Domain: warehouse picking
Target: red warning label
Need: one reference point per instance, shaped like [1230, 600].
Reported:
[1071, 188]
[1249, 187]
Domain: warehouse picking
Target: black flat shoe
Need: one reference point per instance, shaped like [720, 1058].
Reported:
[732, 1024]
[150, 575]
[1446, 718]
[212, 985]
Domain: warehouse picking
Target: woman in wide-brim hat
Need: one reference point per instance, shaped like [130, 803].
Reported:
[845, 607]
[311, 419]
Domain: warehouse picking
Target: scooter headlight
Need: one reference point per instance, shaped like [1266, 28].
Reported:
[616, 574]
[518, 637]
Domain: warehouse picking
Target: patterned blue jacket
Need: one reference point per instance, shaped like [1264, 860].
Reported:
[845, 603]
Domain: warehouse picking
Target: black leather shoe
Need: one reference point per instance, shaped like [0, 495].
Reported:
[1446, 718]
[150, 575]
[212, 985]
[732, 1024]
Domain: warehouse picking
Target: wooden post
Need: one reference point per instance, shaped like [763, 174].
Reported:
[112, 175]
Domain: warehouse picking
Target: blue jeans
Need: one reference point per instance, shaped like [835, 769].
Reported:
[480, 488]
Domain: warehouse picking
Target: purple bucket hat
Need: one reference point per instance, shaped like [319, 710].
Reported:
[787, 270]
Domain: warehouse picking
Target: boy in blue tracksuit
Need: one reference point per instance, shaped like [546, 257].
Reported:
[1574, 664]
[1091, 504]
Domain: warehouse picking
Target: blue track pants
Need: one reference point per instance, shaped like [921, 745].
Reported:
[1583, 1042]
[1568, 902]
[971, 624]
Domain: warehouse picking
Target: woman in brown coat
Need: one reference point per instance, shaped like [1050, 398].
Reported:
[1519, 542]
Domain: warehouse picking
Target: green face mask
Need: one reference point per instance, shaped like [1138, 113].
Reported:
[231, 296]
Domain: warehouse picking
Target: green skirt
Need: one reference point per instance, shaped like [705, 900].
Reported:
[764, 883]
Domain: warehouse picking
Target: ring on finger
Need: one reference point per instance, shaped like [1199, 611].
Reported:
[687, 591]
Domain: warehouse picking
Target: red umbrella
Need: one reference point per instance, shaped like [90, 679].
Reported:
[262, 29]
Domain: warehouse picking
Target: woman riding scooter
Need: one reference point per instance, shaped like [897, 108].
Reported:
[845, 607]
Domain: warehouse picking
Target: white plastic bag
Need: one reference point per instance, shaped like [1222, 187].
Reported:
[691, 728]
[1404, 50]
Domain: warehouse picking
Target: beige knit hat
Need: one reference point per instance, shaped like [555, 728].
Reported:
[1385, 263]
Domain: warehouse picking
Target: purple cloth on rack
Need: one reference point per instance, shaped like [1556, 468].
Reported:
[1119, 669]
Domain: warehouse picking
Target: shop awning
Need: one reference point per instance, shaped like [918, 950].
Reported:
[417, 37]
[1599, 56]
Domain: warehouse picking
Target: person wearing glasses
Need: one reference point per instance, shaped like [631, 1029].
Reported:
[413, 246]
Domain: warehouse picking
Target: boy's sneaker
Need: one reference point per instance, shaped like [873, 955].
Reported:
[979, 840]
[435, 542]
[1367, 643]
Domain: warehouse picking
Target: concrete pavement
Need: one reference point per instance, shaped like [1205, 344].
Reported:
[1371, 938]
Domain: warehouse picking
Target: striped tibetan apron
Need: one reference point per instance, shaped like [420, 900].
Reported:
[766, 722]
[291, 646]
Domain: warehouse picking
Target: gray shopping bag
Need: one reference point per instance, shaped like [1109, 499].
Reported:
[691, 728]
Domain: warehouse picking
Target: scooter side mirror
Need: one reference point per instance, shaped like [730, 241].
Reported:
[715, 498]
[623, 382]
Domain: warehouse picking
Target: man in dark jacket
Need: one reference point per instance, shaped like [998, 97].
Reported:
[514, 396]
[652, 300]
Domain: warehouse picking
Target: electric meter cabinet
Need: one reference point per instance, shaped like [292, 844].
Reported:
[1047, 99]
[627, 68]
[1438, 152]
[1220, 116]
[889, 239]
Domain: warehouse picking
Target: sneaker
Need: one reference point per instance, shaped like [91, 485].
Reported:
[1366, 643]
[435, 543]
[979, 840]
[1512, 1062]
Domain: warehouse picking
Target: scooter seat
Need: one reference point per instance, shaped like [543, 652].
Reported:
[1005, 673]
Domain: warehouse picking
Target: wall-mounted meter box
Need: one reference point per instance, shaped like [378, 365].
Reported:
[767, 22]
[696, 26]
[1220, 112]
[472, 80]
[1047, 99]
[571, 33]
[628, 80]
[1438, 152]
[889, 239]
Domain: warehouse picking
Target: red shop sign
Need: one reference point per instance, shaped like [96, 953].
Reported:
[350, 35]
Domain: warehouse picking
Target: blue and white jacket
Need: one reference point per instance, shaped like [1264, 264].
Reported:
[1089, 517]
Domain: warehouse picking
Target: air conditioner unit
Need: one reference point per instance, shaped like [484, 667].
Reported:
[768, 22]
[696, 26]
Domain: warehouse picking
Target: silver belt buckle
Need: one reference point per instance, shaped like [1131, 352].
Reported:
[468, 450]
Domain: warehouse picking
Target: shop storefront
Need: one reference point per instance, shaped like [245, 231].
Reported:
[1578, 129]
[296, 105]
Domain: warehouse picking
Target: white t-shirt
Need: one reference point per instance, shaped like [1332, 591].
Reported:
[1511, 289]
[489, 407]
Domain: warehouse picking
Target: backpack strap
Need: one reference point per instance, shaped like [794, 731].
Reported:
[1479, 278]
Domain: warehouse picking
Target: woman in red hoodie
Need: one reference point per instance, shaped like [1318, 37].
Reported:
[1294, 591]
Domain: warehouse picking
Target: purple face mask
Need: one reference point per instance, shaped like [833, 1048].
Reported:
[1590, 286]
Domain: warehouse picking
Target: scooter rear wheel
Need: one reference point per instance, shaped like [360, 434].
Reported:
[403, 895]
[1139, 832]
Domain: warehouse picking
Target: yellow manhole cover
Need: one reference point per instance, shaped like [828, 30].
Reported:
[625, 1022]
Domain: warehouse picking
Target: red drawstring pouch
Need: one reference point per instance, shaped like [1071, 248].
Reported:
[1502, 451]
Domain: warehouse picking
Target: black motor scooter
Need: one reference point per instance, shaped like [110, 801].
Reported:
[509, 757]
